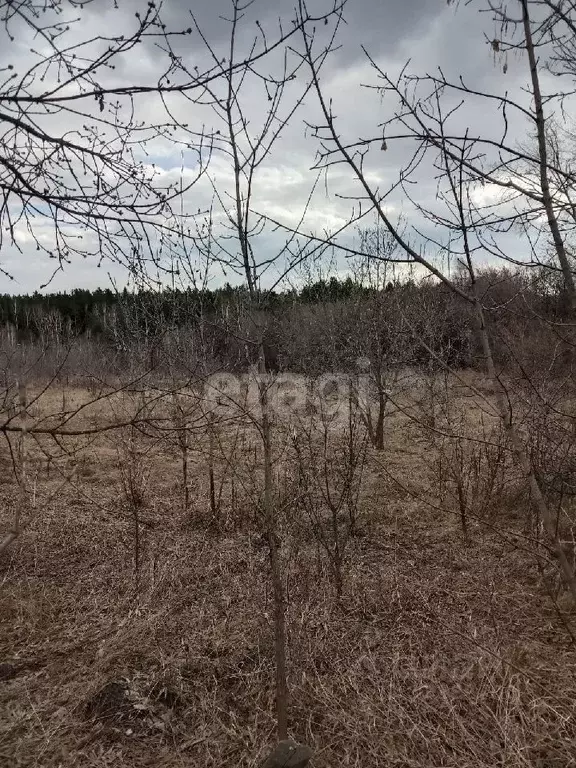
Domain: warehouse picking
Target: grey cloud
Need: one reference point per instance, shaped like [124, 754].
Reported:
[427, 31]
[378, 25]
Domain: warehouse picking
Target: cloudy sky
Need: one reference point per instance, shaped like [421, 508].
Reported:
[430, 34]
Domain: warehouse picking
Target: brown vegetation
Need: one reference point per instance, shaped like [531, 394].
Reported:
[191, 572]
[138, 630]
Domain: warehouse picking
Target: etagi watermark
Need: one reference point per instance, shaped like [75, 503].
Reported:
[288, 394]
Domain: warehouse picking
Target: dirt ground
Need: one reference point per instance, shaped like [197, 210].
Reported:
[136, 629]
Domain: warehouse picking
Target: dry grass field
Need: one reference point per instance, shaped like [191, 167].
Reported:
[136, 627]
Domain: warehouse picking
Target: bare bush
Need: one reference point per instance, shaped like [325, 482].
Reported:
[330, 464]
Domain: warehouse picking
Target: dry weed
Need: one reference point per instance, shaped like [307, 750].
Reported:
[436, 654]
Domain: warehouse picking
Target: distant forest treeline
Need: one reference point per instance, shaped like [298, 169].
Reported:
[326, 325]
[82, 311]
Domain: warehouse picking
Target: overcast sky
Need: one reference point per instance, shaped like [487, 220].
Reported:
[429, 33]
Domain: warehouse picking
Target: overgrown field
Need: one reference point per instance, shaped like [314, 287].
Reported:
[426, 624]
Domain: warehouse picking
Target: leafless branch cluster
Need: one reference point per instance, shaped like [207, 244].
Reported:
[449, 338]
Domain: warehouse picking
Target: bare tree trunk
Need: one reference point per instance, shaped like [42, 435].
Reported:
[275, 568]
[547, 201]
[211, 477]
[242, 205]
[382, 403]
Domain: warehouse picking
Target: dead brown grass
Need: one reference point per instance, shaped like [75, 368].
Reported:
[440, 653]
